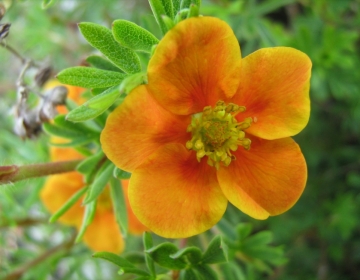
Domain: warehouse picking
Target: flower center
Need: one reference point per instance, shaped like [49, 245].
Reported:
[216, 132]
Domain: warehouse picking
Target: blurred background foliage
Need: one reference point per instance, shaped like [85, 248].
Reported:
[320, 234]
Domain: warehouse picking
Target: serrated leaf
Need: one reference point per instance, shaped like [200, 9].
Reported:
[89, 214]
[102, 63]
[217, 252]
[148, 244]
[100, 182]
[158, 11]
[133, 36]
[121, 174]
[119, 205]
[95, 106]
[161, 255]
[192, 254]
[88, 77]
[68, 204]
[102, 38]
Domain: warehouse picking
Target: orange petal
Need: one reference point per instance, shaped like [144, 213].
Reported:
[266, 180]
[174, 195]
[196, 64]
[135, 226]
[57, 190]
[138, 127]
[274, 89]
[103, 234]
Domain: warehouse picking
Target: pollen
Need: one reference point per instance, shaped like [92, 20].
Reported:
[216, 133]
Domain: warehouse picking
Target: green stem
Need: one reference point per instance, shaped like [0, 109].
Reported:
[14, 173]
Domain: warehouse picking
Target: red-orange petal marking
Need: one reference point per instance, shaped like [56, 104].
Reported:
[174, 195]
[196, 64]
[103, 234]
[266, 180]
[138, 127]
[135, 226]
[274, 89]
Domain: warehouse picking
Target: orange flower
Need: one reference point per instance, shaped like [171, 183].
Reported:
[103, 233]
[210, 127]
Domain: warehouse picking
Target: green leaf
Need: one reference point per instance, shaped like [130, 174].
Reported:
[102, 39]
[217, 252]
[95, 106]
[97, 91]
[176, 6]
[102, 63]
[133, 36]
[161, 255]
[90, 210]
[61, 121]
[125, 266]
[68, 133]
[88, 77]
[206, 272]
[193, 11]
[185, 4]
[133, 81]
[47, 3]
[100, 182]
[119, 205]
[115, 259]
[158, 11]
[168, 22]
[121, 174]
[68, 204]
[192, 254]
[168, 7]
[243, 230]
[89, 166]
[260, 239]
[148, 244]
[189, 274]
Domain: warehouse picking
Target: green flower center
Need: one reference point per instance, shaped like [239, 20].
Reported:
[216, 132]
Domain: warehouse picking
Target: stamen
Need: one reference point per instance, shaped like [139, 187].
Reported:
[216, 133]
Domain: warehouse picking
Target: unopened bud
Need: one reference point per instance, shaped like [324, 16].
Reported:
[43, 75]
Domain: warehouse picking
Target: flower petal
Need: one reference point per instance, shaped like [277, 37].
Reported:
[174, 195]
[274, 89]
[135, 226]
[103, 234]
[196, 64]
[57, 190]
[138, 127]
[266, 180]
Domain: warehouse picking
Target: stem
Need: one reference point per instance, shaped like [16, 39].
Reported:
[17, 273]
[23, 223]
[13, 51]
[14, 173]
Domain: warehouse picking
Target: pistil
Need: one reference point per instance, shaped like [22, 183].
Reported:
[216, 133]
